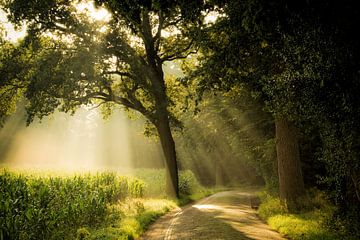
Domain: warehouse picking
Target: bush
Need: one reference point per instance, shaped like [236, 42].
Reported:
[36, 207]
[188, 184]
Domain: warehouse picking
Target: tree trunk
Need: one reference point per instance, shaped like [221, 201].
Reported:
[168, 146]
[291, 183]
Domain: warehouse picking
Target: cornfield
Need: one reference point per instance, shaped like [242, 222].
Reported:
[45, 207]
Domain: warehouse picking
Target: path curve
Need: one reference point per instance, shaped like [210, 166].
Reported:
[222, 216]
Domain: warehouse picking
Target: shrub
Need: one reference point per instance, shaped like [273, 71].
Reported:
[188, 184]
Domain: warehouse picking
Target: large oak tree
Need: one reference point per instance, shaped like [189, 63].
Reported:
[76, 59]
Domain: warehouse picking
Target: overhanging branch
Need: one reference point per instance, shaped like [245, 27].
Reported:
[181, 54]
[123, 74]
[134, 104]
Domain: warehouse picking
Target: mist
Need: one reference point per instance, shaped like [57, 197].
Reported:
[228, 145]
[82, 142]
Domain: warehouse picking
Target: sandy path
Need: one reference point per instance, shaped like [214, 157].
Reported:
[224, 215]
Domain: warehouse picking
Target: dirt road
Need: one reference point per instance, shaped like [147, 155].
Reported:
[222, 216]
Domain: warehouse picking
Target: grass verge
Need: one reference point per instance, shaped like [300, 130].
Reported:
[311, 223]
[130, 218]
[127, 219]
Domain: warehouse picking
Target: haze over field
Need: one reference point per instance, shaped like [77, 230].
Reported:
[81, 142]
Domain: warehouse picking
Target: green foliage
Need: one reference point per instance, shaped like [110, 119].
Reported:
[80, 60]
[188, 184]
[13, 64]
[155, 182]
[311, 223]
[80, 64]
[36, 207]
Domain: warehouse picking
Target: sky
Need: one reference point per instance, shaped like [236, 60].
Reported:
[10, 33]
[88, 8]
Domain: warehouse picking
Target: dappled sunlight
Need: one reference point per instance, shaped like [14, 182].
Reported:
[206, 206]
[225, 215]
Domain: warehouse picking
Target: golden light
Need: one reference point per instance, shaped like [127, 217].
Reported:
[206, 206]
[86, 8]
[10, 33]
[83, 142]
[212, 16]
[89, 9]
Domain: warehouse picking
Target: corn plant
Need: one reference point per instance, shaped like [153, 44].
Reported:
[36, 207]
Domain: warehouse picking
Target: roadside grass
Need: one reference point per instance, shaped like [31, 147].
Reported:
[311, 223]
[128, 219]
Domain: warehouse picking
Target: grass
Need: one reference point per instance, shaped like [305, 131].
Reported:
[128, 219]
[311, 223]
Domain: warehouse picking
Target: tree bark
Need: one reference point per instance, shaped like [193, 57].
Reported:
[168, 146]
[291, 183]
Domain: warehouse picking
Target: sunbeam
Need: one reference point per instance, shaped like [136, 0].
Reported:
[83, 142]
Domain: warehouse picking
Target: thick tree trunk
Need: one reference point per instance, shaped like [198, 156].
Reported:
[168, 146]
[291, 183]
